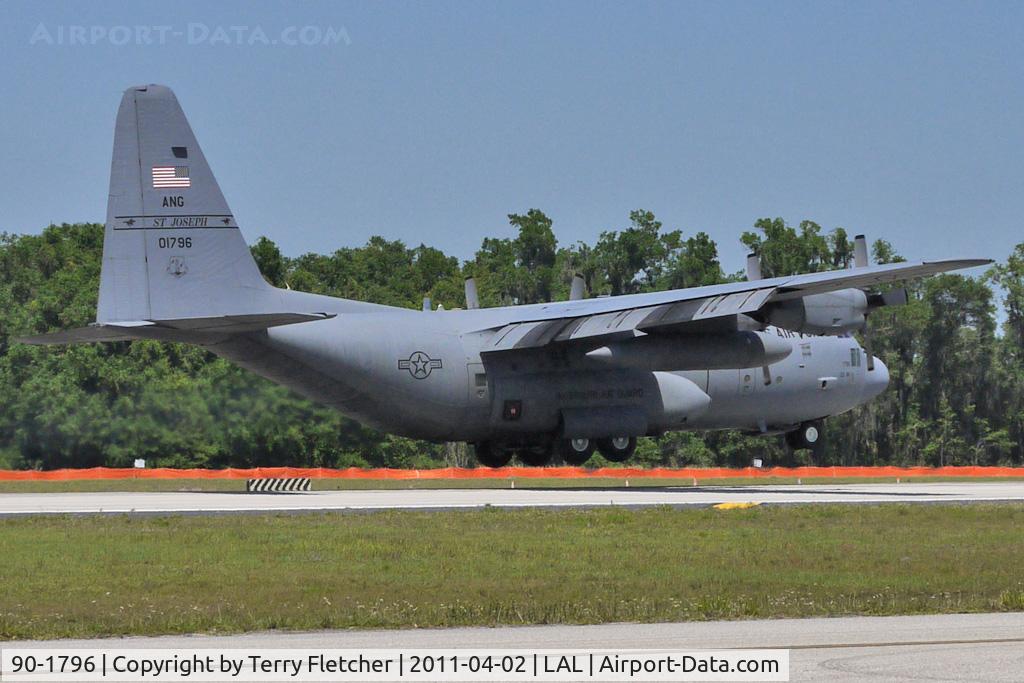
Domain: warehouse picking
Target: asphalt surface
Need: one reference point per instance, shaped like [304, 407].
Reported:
[956, 647]
[17, 504]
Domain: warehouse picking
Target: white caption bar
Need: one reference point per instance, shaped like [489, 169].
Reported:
[29, 664]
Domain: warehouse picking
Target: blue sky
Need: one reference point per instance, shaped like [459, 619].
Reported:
[429, 122]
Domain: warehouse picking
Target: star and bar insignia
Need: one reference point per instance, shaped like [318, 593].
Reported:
[420, 365]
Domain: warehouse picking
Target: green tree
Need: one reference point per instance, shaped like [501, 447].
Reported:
[785, 251]
[956, 393]
[633, 260]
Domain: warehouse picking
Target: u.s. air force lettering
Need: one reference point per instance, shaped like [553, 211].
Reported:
[419, 365]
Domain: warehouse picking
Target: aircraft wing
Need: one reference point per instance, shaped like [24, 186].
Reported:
[697, 308]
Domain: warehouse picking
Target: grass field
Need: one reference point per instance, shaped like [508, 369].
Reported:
[91, 576]
[335, 484]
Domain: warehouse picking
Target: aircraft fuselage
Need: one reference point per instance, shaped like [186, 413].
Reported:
[422, 375]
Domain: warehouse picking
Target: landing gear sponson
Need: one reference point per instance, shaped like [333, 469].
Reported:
[809, 435]
[573, 451]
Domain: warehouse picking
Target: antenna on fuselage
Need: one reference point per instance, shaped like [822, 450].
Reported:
[426, 304]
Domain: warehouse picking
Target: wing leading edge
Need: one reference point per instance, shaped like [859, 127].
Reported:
[694, 309]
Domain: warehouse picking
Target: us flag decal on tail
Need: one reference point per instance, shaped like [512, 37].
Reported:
[171, 176]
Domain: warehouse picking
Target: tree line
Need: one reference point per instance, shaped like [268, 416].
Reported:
[956, 394]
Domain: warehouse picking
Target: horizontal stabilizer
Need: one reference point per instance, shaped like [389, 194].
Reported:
[234, 324]
[133, 329]
[80, 335]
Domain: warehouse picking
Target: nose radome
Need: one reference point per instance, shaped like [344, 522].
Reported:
[876, 380]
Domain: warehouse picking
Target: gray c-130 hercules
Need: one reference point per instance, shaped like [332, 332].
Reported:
[769, 355]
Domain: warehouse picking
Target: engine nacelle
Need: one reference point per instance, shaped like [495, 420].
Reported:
[694, 352]
[832, 313]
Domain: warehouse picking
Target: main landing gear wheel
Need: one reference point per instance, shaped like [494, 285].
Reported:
[490, 455]
[535, 456]
[808, 435]
[617, 448]
[576, 451]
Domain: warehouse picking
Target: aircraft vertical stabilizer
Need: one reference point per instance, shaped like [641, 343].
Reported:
[172, 248]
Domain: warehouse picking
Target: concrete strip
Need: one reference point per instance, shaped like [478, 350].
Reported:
[17, 504]
[981, 647]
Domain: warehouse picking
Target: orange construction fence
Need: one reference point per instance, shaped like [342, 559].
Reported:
[509, 472]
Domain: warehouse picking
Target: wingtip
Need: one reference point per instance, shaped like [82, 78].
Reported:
[963, 262]
[953, 265]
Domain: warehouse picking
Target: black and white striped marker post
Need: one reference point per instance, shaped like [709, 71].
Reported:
[291, 484]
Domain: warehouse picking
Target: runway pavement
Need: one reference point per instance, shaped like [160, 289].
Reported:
[18, 504]
[957, 647]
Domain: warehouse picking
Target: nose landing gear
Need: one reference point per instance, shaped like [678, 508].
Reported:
[808, 435]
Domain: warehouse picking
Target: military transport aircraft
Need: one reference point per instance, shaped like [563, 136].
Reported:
[768, 356]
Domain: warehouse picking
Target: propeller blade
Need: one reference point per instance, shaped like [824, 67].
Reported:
[578, 290]
[472, 300]
[753, 267]
[867, 345]
[860, 252]
[894, 297]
